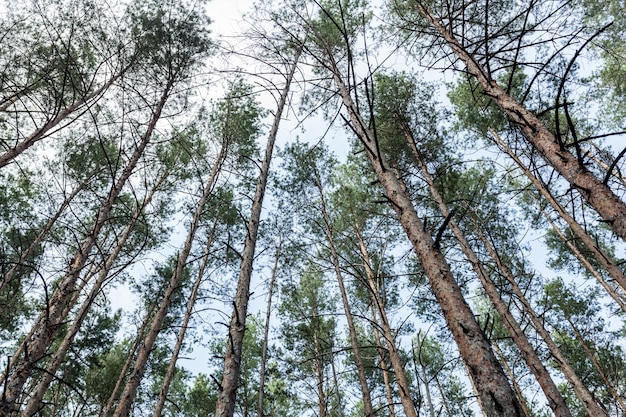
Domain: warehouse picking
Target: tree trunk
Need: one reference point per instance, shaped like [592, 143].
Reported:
[536, 366]
[171, 369]
[45, 329]
[365, 391]
[598, 195]
[383, 366]
[232, 358]
[130, 390]
[494, 391]
[404, 389]
[516, 387]
[577, 385]
[268, 315]
[611, 268]
[33, 405]
[422, 375]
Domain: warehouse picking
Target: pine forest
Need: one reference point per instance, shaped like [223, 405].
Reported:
[331, 208]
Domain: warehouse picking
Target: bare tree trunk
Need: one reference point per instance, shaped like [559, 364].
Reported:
[516, 387]
[319, 368]
[598, 195]
[44, 330]
[581, 391]
[535, 364]
[596, 365]
[268, 315]
[383, 366]
[613, 292]
[404, 389]
[365, 391]
[494, 391]
[129, 360]
[33, 405]
[422, 375]
[236, 329]
[171, 369]
[611, 268]
[130, 390]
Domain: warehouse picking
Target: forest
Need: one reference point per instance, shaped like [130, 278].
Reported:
[400, 208]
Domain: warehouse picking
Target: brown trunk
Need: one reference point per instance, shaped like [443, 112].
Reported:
[494, 391]
[129, 360]
[268, 315]
[171, 369]
[611, 268]
[596, 365]
[516, 387]
[130, 390]
[319, 368]
[613, 292]
[45, 329]
[365, 391]
[535, 364]
[34, 403]
[577, 385]
[383, 366]
[232, 357]
[599, 196]
[404, 389]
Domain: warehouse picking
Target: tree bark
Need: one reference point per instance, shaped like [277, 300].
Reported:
[611, 268]
[598, 195]
[171, 369]
[266, 330]
[130, 390]
[581, 391]
[365, 391]
[536, 366]
[232, 358]
[45, 329]
[34, 404]
[404, 389]
[494, 391]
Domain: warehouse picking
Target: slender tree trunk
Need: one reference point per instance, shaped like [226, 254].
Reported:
[61, 115]
[611, 268]
[581, 391]
[422, 375]
[516, 387]
[319, 368]
[34, 404]
[404, 389]
[129, 360]
[39, 238]
[535, 364]
[44, 330]
[598, 195]
[268, 315]
[336, 383]
[596, 365]
[171, 369]
[613, 292]
[494, 390]
[130, 390]
[232, 357]
[365, 391]
[383, 366]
